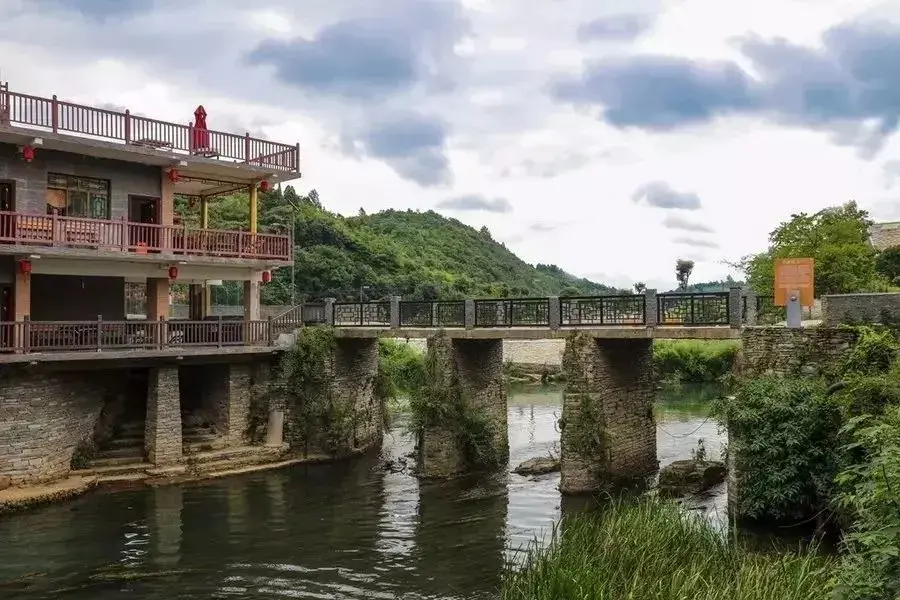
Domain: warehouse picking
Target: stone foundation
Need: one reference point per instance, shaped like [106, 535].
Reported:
[791, 352]
[475, 369]
[354, 371]
[608, 431]
[162, 436]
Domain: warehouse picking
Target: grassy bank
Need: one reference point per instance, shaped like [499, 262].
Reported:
[654, 551]
[693, 361]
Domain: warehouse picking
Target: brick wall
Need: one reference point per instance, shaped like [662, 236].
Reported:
[860, 308]
[790, 352]
[43, 417]
[31, 178]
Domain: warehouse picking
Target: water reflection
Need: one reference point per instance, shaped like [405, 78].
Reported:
[348, 530]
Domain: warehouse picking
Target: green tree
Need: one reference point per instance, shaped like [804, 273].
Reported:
[683, 270]
[640, 287]
[887, 264]
[837, 238]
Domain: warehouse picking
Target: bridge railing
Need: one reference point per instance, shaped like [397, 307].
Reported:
[626, 309]
[361, 314]
[711, 308]
[512, 312]
[446, 313]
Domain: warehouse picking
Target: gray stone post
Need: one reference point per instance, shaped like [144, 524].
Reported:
[554, 315]
[238, 402]
[395, 312]
[734, 307]
[275, 428]
[750, 317]
[651, 309]
[470, 313]
[162, 428]
[329, 311]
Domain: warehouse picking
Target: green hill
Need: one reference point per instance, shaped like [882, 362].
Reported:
[408, 253]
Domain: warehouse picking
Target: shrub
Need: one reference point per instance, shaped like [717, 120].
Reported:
[874, 351]
[783, 438]
[693, 361]
[403, 367]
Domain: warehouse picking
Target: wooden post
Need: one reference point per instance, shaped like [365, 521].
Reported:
[253, 209]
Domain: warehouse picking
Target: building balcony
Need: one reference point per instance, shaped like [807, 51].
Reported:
[104, 128]
[118, 237]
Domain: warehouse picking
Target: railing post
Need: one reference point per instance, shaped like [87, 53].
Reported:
[296, 164]
[247, 147]
[161, 333]
[99, 333]
[26, 334]
[751, 316]
[651, 309]
[555, 316]
[127, 126]
[219, 330]
[734, 307]
[329, 311]
[470, 313]
[54, 116]
[270, 331]
[395, 312]
[54, 227]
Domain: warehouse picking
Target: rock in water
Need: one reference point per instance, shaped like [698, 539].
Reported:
[684, 477]
[539, 465]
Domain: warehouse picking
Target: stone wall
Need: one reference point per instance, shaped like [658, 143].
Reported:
[608, 431]
[162, 433]
[789, 352]
[536, 353]
[355, 370]
[860, 308]
[44, 416]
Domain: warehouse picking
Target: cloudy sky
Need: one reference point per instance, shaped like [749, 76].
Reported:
[608, 137]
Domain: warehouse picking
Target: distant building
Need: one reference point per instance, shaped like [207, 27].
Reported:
[885, 235]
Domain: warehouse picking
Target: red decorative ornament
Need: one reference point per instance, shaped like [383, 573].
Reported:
[173, 272]
[173, 175]
[27, 154]
[266, 277]
[264, 186]
[25, 266]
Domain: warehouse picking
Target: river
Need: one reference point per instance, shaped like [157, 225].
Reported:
[349, 530]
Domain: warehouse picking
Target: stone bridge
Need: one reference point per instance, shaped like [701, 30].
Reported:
[608, 433]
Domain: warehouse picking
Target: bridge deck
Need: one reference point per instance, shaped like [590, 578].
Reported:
[542, 333]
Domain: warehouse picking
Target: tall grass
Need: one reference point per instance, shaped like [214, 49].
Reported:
[693, 361]
[654, 551]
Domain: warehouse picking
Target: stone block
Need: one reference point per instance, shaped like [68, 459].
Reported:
[162, 433]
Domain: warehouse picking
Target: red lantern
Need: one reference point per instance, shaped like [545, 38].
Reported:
[266, 277]
[173, 175]
[27, 154]
[173, 272]
[264, 186]
[25, 266]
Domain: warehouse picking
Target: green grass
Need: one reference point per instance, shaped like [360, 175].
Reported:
[694, 361]
[653, 551]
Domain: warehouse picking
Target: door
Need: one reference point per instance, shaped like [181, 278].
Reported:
[144, 232]
[7, 210]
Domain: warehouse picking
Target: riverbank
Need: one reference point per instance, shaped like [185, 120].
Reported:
[655, 551]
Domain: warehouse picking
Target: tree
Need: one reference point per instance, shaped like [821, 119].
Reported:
[683, 269]
[887, 264]
[640, 287]
[837, 238]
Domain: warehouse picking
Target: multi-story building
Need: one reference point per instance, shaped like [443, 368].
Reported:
[87, 206]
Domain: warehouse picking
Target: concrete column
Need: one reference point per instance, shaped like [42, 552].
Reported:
[329, 311]
[162, 429]
[470, 313]
[254, 208]
[734, 307]
[251, 300]
[474, 370]
[608, 430]
[157, 298]
[238, 402]
[166, 204]
[554, 315]
[21, 305]
[355, 370]
[198, 301]
[751, 316]
[395, 312]
[275, 428]
[651, 309]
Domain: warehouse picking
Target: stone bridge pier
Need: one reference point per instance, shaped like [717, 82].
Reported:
[472, 372]
[608, 433]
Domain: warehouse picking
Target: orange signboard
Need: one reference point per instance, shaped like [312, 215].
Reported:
[794, 274]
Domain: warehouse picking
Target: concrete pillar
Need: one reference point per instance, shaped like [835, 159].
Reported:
[238, 402]
[608, 430]
[751, 316]
[251, 300]
[329, 311]
[470, 313]
[554, 316]
[162, 428]
[355, 370]
[158, 302]
[734, 307]
[254, 208]
[275, 428]
[395, 312]
[651, 309]
[166, 205]
[473, 369]
[198, 301]
[21, 306]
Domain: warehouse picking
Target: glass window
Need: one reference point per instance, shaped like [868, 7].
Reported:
[85, 197]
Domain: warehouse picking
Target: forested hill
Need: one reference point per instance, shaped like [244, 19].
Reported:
[409, 253]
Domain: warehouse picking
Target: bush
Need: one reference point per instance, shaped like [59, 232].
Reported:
[654, 551]
[783, 438]
[403, 367]
[693, 361]
[874, 352]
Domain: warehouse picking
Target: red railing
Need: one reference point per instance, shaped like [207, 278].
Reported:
[66, 117]
[48, 336]
[140, 238]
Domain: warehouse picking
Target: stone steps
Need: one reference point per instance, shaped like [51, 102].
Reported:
[131, 429]
[126, 442]
[206, 464]
[114, 470]
[226, 454]
[122, 452]
[247, 457]
[109, 461]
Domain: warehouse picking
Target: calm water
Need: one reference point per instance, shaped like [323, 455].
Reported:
[351, 530]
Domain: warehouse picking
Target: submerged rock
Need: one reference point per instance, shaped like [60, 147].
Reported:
[684, 477]
[539, 465]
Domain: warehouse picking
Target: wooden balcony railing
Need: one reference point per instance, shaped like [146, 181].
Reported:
[140, 238]
[59, 116]
[72, 336]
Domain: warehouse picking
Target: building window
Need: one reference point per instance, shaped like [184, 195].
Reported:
[72, 196]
